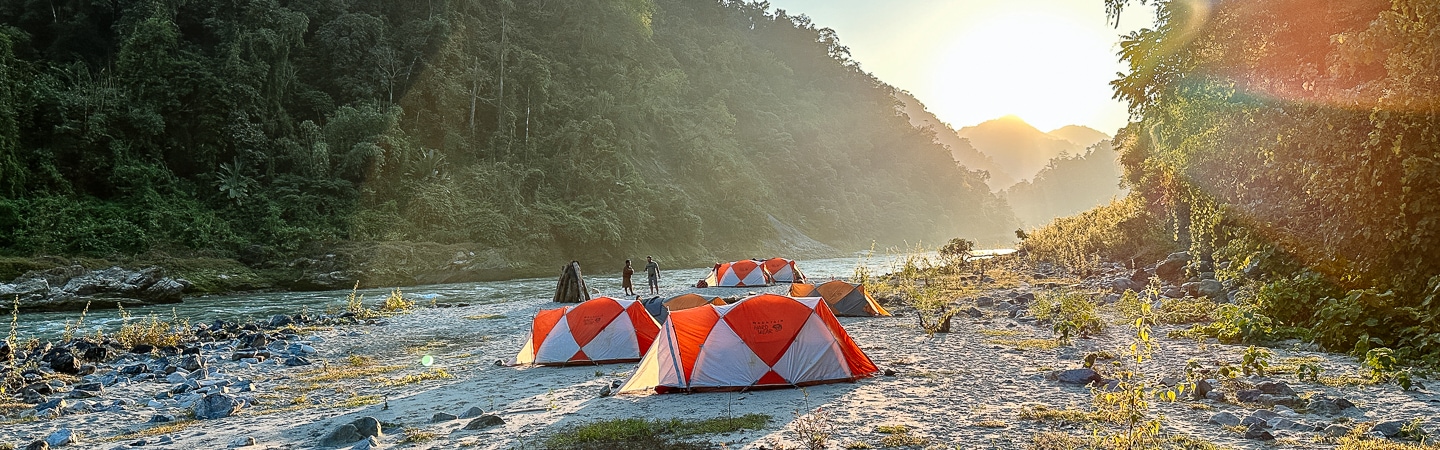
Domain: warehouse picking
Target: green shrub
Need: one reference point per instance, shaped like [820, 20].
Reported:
[1120, 231]
[1069, 313]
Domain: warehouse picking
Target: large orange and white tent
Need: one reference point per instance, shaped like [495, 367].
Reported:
[601, 330]
[783, 270]
[742, 273]
[845, 299]
[768, 340]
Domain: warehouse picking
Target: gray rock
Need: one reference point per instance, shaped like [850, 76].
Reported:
[91, 387]
[1275, 388]
[1025, 298]
[1248, 395]
[295, 361]
[368, 426]
[1258, 432]
[367, 444]
[192, 363]
[246, 441]
[984, 301]
[1326, 406]
[359, 429]
[1336, 430]
[443, 417]
[1171, 270]
[346, 434]
[1293, 425]
[162, 418]
[1225, 419]
[216, 406]
[1264, 414]
[55, 404]
[1287, 400]
[280, 320]
[1203, 387]
[474, 411]
[62, 437]
[1389, 428]
[1210, 288]
[1252, 421]
[485, 421]
[1077, 376]
[975, 312]
[38, 445]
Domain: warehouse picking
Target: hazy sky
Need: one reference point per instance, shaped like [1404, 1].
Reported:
[1047, 61]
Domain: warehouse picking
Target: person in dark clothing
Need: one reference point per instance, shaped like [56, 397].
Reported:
[625, 278]
[652, 271]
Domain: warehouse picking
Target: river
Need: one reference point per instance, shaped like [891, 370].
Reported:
[249, 306]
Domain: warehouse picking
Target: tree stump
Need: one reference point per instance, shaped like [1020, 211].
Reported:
[571, 287]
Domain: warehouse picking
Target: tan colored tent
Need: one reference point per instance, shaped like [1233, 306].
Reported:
[845, 299]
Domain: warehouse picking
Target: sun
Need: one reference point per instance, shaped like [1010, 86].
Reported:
[1042, 66]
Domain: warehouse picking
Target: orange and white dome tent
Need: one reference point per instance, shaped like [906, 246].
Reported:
[601, 330]
[744, 273]
[767, 340]
[845, 299]
[783, 270]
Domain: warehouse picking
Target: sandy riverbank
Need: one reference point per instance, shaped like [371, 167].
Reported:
[966, 388]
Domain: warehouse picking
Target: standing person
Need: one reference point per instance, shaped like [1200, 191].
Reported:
[625, 278]
[652, 271]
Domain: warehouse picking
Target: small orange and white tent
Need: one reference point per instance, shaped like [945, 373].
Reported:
[767, 340]
[783, 270]
[601, 330]
[744, 273]
[660, 308]
[845, 299]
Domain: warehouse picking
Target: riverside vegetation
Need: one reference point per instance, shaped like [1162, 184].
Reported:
[396, 135]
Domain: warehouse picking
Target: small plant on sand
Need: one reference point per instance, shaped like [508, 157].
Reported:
[69, 333]
[1128, 404]
[813, 429]
[415, 435]
[355, 304]
[1070, 314]
[13, 380]
[900, 436]
[1255, 361]
[396, 303]
[1383, 368]
[152, 331]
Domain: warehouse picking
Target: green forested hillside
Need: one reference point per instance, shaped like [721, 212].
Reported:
[1068, 185]
[1294, 147]
[264, 129]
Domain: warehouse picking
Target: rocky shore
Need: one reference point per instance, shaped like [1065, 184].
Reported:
[74, 287]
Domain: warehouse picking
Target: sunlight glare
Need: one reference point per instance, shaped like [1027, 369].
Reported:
[1045, 68]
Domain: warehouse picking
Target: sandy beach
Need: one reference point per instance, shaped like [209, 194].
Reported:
[965, 389]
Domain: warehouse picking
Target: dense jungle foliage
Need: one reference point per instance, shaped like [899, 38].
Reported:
[271, 128]
[1293, 146]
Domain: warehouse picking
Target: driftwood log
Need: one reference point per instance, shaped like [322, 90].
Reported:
[571, 288]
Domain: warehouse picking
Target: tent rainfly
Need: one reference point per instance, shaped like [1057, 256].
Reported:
[845, 299]
[764, 341]
[601, 330]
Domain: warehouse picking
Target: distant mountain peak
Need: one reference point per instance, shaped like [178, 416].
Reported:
[1079, 134]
